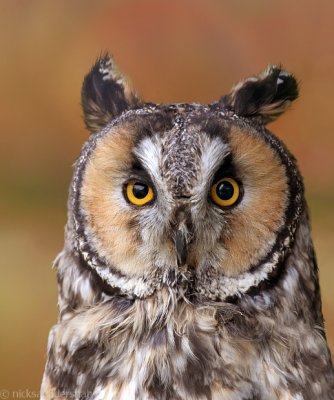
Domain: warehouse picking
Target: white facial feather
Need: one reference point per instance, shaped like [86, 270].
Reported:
[149, 153]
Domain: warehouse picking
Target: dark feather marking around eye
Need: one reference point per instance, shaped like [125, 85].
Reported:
[138, 172]
[227, 169]
[137, 165]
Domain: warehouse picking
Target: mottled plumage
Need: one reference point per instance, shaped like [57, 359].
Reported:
[188, 270]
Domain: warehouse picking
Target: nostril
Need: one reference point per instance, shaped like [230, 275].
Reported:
[183, 196]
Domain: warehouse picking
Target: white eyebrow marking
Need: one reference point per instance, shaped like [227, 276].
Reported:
[149, 152]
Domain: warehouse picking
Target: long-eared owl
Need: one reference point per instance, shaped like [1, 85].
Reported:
[188, 270]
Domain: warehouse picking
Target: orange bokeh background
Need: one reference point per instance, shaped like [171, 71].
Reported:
[180, 50]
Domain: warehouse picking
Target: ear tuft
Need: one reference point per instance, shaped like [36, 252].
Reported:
[267, 95]
[105, 94]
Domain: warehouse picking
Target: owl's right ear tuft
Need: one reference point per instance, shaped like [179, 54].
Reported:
[105, 94]
[267, 95]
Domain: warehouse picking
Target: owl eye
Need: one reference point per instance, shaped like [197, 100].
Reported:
[139, 193]
[225, 192]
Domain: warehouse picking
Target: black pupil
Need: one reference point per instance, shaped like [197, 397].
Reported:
[140, 190]
[225, 190]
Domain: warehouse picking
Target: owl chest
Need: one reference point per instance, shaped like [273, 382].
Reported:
[195, 365]
[187, 355]
[185, 358]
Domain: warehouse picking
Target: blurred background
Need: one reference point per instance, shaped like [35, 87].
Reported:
[176, 50]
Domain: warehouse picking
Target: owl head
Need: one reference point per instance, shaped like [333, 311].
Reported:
[191, 196]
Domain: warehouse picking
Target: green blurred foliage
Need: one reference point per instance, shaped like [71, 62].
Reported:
[187, 50]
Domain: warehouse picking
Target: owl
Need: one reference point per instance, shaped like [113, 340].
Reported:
[188, 271]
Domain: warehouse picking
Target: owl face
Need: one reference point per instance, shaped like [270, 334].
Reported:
[164, 190]
[213, 184]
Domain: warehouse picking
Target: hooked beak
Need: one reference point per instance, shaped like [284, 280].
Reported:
[182, 240]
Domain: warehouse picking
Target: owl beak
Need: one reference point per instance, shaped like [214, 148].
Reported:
[181, 244]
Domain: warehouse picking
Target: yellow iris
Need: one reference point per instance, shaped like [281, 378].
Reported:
[225, 192]
[139, 193]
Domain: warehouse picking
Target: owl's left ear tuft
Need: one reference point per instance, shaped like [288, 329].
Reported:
[105, 94]
[267, 95]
